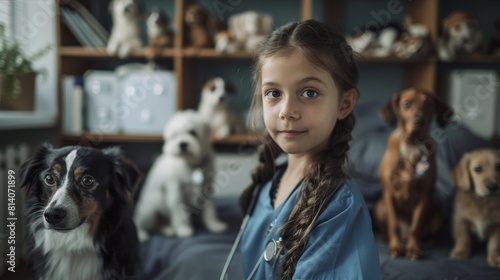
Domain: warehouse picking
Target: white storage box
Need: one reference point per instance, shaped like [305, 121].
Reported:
[473, 94]
[147, 101]
[101, 101]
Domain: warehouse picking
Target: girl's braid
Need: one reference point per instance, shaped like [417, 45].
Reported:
[268, 151]
[326, 175]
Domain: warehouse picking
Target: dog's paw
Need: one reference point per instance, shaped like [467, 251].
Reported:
[395, 251]
[217, 226]
[142, 235]
[184, 231]
[459, 254]
[494, 261]
[413, 253]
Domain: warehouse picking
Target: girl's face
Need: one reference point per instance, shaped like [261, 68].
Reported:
[301, 103]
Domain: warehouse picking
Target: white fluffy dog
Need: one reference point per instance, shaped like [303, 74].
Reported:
[125, 34]
[179, 182]
[213, 107]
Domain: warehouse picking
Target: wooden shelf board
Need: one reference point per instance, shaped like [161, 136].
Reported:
[476, 58]
[119, 137]
[248, 139]
[360, 58]
[101, 52]
[211, 53]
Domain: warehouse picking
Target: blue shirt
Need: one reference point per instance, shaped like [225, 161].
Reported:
[341, 244]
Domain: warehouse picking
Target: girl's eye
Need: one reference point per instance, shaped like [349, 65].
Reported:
[272, 94]
[310, 93]
[49, 180]
[88, 181]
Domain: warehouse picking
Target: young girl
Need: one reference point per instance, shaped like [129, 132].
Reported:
[307, 221]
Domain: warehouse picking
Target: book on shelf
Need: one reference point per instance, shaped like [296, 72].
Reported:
[100, 31]
[68, 19]
[85, 28]
[73, 103]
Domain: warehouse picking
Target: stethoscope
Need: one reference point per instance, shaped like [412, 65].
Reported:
[273, 246]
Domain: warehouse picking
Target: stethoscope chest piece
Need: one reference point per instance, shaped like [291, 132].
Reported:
[272, 249]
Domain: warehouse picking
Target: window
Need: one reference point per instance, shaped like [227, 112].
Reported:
[5, 16]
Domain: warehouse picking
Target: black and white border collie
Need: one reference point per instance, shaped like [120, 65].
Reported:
[79, 213]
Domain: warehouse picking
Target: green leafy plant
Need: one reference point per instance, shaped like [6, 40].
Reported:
[14, 61]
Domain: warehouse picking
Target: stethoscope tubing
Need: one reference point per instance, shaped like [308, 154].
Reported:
[236, 242]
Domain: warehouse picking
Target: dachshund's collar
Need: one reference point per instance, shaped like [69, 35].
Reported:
[422, 164]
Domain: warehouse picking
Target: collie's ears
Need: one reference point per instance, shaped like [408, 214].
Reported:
[127, 175]
[30, 170]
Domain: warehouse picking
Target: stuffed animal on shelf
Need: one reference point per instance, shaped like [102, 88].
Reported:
[159, 34]
[362, 42]
[246, 30]
[460, 34]
[198, 24]
[125, 34]
[374, 41]
[225, 42]
[415, 41]
[213, 107]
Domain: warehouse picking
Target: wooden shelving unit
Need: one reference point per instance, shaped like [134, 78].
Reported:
[236, 139]
[101, 52]
[73, 59]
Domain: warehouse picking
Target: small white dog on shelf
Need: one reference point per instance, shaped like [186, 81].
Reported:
[213, 107]
[180, 181]
[125, 34]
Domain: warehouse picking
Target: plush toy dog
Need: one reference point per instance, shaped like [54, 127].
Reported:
[158, 33]
[179, 183]
[460, 34]
[376, 42]
[198, 24]
[250, 28]
[415, 41]
[214, 108]
[125, 35]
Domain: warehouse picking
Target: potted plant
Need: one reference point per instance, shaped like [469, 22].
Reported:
[17, 76]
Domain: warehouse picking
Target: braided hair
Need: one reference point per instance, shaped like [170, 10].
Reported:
[326, 48]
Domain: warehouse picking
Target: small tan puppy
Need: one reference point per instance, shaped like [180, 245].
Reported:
[477, 203]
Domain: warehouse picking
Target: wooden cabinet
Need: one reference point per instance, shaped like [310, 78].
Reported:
[185, 62]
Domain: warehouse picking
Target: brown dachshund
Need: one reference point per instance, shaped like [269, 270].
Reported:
[407, 210]
[477, 203]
